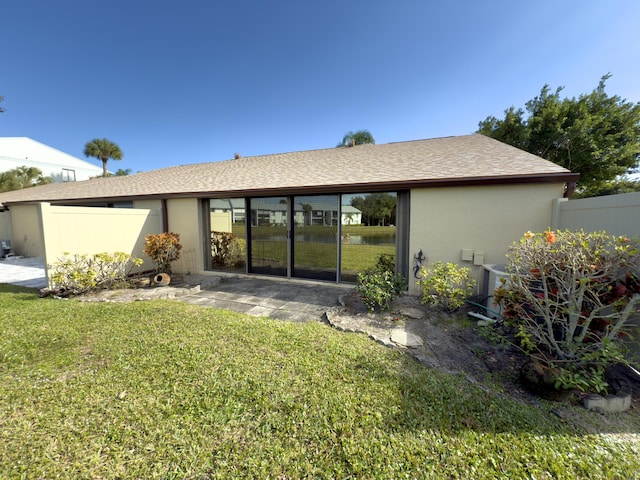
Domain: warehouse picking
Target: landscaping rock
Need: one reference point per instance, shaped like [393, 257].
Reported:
[405, 339]
[412, 313]
[608, 404]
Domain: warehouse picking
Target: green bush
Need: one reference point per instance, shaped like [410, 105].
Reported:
[569, 296]
[379, 285]
[79, 274]
[163, 249]
[446, 285]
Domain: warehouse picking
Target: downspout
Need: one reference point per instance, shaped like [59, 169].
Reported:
[165, 216]
[570, 190]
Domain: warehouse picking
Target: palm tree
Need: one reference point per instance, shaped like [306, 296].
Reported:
[103, 149]
[359, 137]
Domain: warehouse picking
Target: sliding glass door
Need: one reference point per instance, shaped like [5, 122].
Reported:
[315, 232]
[269, 234]
[325, 237]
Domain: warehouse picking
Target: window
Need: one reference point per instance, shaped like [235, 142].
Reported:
[68, 175]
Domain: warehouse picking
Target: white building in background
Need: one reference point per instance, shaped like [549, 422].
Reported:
[61, 167]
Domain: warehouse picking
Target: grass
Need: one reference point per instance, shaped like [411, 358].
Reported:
[167, 390]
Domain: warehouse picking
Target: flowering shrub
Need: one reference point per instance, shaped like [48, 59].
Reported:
[163, 249]
[79, 274]
[447, 285]
[379, 285]
[570, 295]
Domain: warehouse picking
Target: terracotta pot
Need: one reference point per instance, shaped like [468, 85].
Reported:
[162, 279]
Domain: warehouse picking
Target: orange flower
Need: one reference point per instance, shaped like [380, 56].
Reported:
[551, 236]
[528, 234]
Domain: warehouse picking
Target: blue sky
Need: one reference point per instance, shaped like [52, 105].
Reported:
[175, 82]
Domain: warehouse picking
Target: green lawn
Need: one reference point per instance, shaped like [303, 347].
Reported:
[166, 390]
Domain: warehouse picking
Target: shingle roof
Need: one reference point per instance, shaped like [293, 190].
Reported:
[470, 159]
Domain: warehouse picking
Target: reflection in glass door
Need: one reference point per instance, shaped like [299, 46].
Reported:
[268, 234]
[368, 231]
[315, 231]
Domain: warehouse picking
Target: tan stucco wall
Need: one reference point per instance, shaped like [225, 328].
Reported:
[27, 237]
[150, 204]
[484, 220]
[5, 226]
[90, 230]
[615, 214]
[184, 218]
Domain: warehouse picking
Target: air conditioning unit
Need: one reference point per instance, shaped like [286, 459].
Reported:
[5, 249]
[492, 279]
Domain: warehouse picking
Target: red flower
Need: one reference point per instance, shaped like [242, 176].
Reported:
[551, 236]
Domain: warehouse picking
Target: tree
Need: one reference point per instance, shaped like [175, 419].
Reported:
[595, 135]
[376, 208]
[613, 187]
[359, 137]
[123, 173]
[103, 150]
[22, 177]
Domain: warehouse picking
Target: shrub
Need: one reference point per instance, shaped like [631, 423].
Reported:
[379, 285]
[79, 274]
[446, 285]
[570, 295]
[163, 249]
[225, 249]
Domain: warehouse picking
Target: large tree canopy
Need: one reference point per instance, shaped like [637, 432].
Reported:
[376, 208]
[22, 177]
[103, 150]
[359, 137]
[595, 135]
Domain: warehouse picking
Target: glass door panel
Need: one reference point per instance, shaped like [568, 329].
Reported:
[268, 234]
[315, 230]
[368, 231]
[228, 234]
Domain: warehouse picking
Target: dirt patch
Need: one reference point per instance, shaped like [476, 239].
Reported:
[454, 343]
[451, 342]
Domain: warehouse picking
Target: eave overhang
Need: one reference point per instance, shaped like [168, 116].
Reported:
[561, 177]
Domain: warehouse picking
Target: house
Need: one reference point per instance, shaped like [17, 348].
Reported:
[351, 215]
[458, 199]
[61, 167]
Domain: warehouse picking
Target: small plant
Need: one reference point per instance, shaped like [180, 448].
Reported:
[77, 274]
[446, 285]
[570, 296]
[379, 285]
[163, 249]
[226, 249]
